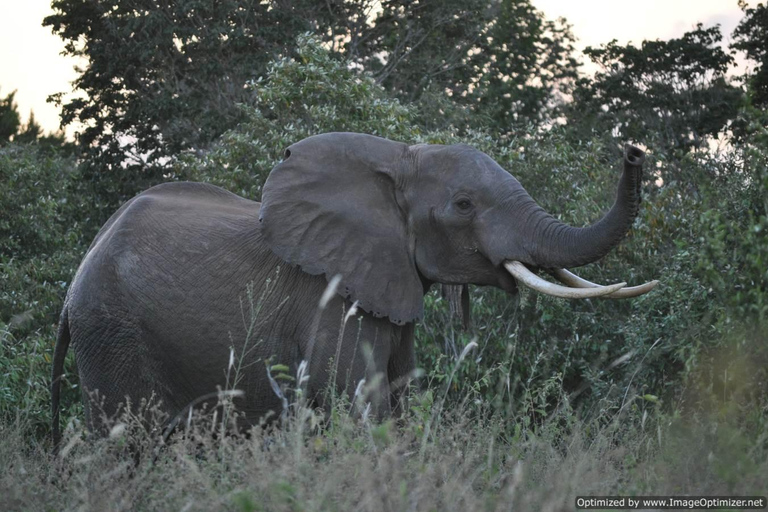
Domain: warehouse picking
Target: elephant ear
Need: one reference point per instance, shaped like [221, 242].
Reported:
[331, 207]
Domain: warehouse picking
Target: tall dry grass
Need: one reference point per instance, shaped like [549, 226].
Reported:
[437, 456]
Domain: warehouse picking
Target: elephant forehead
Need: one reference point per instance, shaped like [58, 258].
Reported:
[468, 171]
[460, 165]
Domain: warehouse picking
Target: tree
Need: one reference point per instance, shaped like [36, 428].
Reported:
[672, 94]
[500, 59]
[529, 63]
[751, 37]
[11, 129]
[31, 132]
[9, 118]
[163, 78]
[166, 77]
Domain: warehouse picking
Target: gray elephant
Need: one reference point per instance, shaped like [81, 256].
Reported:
[185, 275]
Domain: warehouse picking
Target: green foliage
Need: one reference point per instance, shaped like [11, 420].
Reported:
[501, 60]
[9, 118]
[670, 94]
[11, 128]
[40, 248]
[313, 92]
[524, 65]
[750, 37]
[34, 202]
[733, 256]
[177, 86]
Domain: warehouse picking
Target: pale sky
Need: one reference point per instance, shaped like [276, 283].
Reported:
[30, 60]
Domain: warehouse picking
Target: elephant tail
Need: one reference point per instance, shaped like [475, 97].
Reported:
[59, 354]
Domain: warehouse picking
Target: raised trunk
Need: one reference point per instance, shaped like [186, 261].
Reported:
[557, 245]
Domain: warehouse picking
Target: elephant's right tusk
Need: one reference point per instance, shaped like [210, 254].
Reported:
[571, 279]
[528, 278]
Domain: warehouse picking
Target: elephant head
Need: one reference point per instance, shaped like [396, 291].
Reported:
[392, 219]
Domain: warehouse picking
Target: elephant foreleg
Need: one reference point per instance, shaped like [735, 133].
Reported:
[400, 369]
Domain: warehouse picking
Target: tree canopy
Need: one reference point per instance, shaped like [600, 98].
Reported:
[11, 128]
[751, 37]
[672, 94]
[163, 78]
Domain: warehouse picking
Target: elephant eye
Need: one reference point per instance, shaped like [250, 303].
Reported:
[464, 204]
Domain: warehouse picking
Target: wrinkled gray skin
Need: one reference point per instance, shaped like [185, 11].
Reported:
[160, 296]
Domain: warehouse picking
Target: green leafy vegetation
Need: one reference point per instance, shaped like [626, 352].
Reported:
[749, 37]
[671, 94]
[667, 393]
[177, 86]
[40, 248]
[11, 128]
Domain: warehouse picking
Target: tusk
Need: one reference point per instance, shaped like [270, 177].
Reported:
[521, 273]
[571, 279]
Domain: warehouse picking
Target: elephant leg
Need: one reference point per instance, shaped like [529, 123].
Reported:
[118, 373]
[357, 365]
[376, 391]
[400, 369]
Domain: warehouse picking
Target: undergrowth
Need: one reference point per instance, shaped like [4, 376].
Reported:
[462, 455]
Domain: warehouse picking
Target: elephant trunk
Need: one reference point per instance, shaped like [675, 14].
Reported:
[556, 245]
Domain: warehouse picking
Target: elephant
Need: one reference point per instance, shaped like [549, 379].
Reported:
[187, 276]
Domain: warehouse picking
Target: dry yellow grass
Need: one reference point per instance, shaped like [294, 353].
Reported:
[472, 460]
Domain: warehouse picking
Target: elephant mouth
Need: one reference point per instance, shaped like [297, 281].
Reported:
[577, 287]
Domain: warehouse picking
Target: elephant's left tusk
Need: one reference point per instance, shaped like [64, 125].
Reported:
[571, 279]
[525, 276]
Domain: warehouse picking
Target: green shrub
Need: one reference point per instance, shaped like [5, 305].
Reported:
[40, 248]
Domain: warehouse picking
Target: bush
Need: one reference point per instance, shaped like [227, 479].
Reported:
[40, 248]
